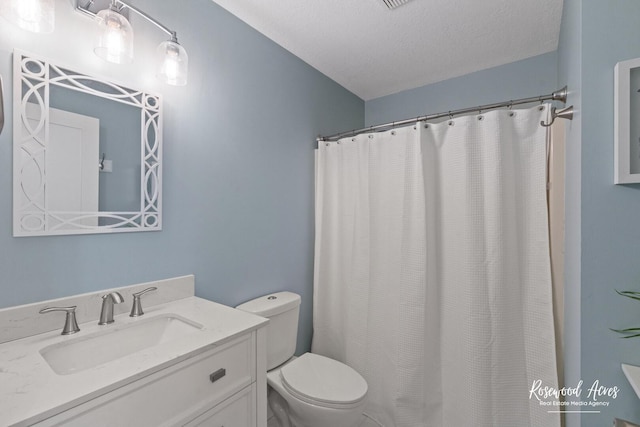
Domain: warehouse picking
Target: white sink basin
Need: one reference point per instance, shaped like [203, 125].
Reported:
[78, 354]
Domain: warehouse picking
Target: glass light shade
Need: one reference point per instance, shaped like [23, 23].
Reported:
[174, 63]
[32, 15]
[115, 37]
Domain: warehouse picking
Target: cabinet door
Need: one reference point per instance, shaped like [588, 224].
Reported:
[237, 411]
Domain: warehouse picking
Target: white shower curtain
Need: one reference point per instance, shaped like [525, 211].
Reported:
[432, 272]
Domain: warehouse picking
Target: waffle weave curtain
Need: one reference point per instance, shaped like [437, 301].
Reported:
[432, 273]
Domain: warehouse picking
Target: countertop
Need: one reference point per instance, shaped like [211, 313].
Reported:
[30, 391]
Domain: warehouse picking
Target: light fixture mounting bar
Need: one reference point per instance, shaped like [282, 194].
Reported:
[149, 18]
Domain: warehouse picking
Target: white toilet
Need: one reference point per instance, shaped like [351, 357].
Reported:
[310, 390]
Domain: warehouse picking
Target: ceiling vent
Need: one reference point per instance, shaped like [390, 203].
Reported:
[392, 4]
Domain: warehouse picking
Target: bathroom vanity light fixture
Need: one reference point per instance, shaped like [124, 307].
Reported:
[32, 15]
[115, 36]
[115, 40]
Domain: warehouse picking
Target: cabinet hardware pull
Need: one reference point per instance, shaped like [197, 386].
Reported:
[217, 375]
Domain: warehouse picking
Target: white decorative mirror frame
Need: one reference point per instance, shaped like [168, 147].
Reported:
[35, 210]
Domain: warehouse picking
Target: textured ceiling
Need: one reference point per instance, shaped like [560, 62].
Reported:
[373, 51]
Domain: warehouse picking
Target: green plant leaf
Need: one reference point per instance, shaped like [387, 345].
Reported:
[629, 294]
[631, 336]
[626, 331]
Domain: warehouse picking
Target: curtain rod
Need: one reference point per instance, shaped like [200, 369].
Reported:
[559, 95]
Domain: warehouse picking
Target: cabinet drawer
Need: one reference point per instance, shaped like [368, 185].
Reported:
[237, 411]
[173, 395]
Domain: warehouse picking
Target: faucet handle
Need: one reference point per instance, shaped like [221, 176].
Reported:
[70, 323]
[136, 308]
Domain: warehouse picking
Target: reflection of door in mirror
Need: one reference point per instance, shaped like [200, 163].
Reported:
[71, 162]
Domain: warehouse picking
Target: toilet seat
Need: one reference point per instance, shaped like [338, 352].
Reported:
[323, 381]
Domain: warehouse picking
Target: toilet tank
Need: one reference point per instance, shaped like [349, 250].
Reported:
[282, 309]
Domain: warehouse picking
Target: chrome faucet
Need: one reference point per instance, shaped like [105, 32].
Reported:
[70, 323]
[108, 300]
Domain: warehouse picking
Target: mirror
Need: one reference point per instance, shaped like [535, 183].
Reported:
[86, 153]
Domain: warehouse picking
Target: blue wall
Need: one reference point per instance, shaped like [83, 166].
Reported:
[610, 228]
[603, 237]
[238, 164]
[528, 77]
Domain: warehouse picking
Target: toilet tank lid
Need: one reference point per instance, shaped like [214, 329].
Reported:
[272, 304]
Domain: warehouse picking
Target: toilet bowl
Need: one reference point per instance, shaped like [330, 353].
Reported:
[310, 390]
[316, 391]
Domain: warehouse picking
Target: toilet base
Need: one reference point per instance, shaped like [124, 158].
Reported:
[279, 407]
[287, 416]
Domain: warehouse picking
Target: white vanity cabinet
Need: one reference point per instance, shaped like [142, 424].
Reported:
[187, 362]
[223, 386]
